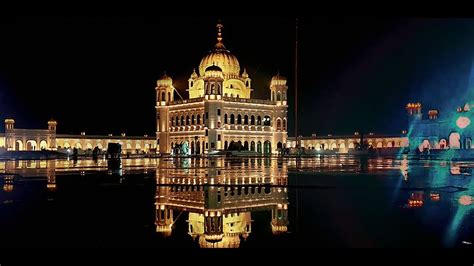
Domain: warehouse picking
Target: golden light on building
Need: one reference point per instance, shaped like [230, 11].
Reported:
[465, 200]
[220, 109]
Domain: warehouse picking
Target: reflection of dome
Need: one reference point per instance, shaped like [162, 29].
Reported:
[228, 241]
[220, 57]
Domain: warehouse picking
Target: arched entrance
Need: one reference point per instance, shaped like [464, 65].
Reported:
[18, 145]
[454, 140]
[31, 145]
[267, 147]
[443, 144]
[43, 145]
[425, 145]
[279, 146]
[246, 145]
[198, 147]
[259, 147]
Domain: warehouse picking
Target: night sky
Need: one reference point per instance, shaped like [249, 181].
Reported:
[98, 74]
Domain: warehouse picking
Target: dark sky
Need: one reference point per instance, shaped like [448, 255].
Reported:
[98, 74]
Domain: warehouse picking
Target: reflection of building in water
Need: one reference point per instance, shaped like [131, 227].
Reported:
[8, 183]
[220, 199]
[30, 168]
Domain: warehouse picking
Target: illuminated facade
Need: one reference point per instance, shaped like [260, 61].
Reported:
[453, 131]
[347, 143]
[220, 198]
[16, 139]
[220, 109]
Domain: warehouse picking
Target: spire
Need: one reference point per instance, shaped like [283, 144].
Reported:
[219, 44]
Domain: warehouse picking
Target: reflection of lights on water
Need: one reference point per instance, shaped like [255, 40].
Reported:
[465, 200]
[463, 122]
[434, 196]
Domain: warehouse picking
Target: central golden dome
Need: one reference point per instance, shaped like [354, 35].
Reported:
[220, 57]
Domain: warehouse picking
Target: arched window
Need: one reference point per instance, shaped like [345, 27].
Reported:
[252, 120]
[225, 145]
[278, 96]
[177, 121]
[213, 91]
[246, 119]
[239, 119]
[273, 96]
[252, 146]
[284, 124]
[198, 119]
[162, 96]
[192, 120]
[267, 121]
[169, 96]
[231, 86]
[192, 83]
[278, 124]
[182, 120]
[219, 89]
[284, 96]
[247, 83]
[187, 120]
[172, 121]
[259, 120]
[225, 118]
[232, 119]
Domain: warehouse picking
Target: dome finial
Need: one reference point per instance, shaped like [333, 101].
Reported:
[219, 44]
[219, 31]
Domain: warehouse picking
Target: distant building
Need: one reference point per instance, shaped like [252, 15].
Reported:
[16, 139]
[436, 131]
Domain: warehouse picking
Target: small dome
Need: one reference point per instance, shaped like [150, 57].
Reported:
[213, 68]
[278, 77]
[194, 75]
[165, 80]
[245, 75]
[213, 71]
[278, 80]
